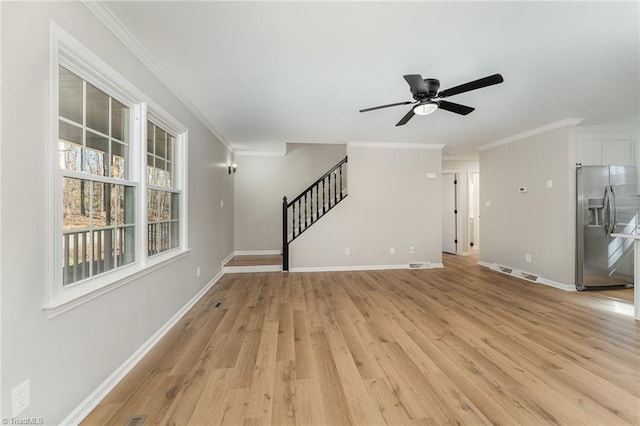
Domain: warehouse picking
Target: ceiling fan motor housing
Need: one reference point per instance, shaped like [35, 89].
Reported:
[432, 85]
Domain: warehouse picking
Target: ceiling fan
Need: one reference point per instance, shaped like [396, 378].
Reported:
[428, 99]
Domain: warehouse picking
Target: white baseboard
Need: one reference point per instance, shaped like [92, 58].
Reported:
[555, 284]
[425, 265]
[527, 276]
[228, 258]
[92, 401]
[255, 252]
[485, 264]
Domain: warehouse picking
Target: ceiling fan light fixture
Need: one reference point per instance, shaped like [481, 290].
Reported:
[425, 108]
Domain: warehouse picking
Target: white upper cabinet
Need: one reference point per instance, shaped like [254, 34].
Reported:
[598, 147]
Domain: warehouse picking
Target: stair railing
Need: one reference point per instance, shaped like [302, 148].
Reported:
[312, 204]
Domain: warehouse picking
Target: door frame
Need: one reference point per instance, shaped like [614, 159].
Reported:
[457, 174]
[476, 223]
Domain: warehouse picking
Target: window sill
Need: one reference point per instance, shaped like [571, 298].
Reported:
[68, 300]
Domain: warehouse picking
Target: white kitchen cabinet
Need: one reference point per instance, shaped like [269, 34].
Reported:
[599, 148]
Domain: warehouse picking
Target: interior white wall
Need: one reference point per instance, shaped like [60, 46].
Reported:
[462, 167]
[391, 203]
[262, 181]
[540, 222]
[67, 357]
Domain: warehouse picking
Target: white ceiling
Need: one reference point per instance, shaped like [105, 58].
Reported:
[267, 73]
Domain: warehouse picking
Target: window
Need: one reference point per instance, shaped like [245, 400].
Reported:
[118, 186]
[163, 199]
[98, 200]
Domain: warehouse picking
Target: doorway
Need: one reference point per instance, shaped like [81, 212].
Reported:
[474, 211]
[450, 212]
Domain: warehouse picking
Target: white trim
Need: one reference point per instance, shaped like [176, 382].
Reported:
[71, 299]
[555, 284]
[255, 252]
[395, 145]
[66, 50]
[254, 268]
[517, 273]
[92, 401]
[532, 132]
[427, 265]
[104, 14]
[260, 153]
[226, 259]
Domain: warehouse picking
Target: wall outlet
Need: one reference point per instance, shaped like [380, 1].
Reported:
[431, 176]
[20, 398]
[487, 203]
[221, 203]
[198, 272]
[549, 183]
[392, 250]
[347, 252]
[412, 249]
[527, 258]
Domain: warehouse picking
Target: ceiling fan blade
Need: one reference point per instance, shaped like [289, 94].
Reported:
[416, 83]
[457, 108]
[386, 106]
[408, 116]
[472, 85]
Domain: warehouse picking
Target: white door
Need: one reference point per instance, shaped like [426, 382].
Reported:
[449, 234]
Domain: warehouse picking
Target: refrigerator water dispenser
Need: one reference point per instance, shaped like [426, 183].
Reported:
[596, 212]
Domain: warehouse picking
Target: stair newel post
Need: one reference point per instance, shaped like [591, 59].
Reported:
[285, 237]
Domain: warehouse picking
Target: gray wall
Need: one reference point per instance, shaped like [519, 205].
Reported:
[261, 182]
[391, 203]
[540, 222]
[68, 357]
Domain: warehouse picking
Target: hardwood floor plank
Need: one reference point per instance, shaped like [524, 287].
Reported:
[331, 390]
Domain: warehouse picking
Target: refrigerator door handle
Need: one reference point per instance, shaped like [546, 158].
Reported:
[607, 210]
[614, 209]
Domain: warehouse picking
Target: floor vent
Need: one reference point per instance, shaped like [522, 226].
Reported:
[529, 277]
[415, 265]
[505, 269]
[137, 420]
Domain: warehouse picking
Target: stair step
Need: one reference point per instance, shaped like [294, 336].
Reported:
[254, 263]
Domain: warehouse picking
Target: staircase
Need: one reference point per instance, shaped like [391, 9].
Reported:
[311, 205]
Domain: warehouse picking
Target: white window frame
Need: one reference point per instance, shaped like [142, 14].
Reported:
[165, 122]
[68, 52]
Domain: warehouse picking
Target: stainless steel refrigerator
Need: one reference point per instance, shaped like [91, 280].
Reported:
[607, 203]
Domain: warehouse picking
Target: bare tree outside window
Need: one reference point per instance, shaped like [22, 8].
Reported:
[98, 215]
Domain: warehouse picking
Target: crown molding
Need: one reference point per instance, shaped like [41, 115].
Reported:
[395, 145]
[106, 16]
[532, 132]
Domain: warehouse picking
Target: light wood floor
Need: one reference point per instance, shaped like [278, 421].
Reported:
[255, 260]
[459, 345]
